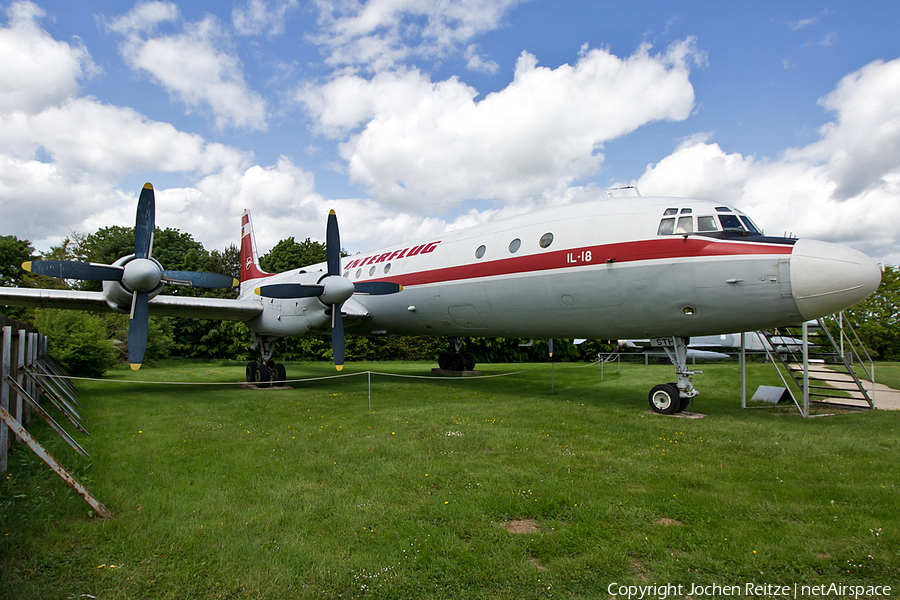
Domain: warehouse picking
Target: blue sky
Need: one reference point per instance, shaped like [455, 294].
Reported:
[410, 117]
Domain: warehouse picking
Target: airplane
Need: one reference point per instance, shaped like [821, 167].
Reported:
[712, 347]
[620, 268]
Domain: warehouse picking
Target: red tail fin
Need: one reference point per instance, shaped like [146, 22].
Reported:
[249, 260]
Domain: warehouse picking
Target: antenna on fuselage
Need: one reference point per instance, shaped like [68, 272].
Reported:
[611, 192]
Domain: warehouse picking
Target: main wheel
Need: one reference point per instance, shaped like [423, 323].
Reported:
[665, 399]
[458, 362]
[251, 371]
[280, 373]
[445, 361]
[470, 361]
[261, 375]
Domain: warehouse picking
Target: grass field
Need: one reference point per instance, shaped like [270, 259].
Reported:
[475, 488]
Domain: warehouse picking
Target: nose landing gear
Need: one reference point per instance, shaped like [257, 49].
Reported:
[670, 398]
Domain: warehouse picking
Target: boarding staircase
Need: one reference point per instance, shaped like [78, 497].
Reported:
[840, 370]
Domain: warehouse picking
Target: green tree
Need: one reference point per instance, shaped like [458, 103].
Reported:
[13, 252]
[288, 254]
[78, 340]
[877, 319]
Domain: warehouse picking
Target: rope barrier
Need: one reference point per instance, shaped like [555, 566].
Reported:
[307, 380]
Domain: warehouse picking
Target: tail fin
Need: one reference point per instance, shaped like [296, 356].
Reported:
[249, 259]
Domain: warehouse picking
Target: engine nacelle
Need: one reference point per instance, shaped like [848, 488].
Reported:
[118, 295]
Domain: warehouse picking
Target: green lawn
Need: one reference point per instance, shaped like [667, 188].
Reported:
[220, 492]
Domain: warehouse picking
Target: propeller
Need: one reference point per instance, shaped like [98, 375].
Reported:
[140, 275]
[332, 289]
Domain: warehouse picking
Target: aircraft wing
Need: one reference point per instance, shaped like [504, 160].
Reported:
[168, 306]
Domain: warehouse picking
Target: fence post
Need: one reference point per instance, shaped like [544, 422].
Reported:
[32, 389]
[4, 394]
[20, 377]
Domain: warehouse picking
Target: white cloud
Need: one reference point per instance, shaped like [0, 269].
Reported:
[255, 17]
[381, 33]
[844, 187]
[195, 66]
[406, 138]
[477, 63]
[37, 71]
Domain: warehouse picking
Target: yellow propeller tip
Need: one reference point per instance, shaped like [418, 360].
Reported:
[256, 291]
[401, 289]
[148, 186]
[235, 282]
[331, 212]
[27, 265]
[135, 367]
[339, 367]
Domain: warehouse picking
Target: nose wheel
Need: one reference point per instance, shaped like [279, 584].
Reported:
[670, 398]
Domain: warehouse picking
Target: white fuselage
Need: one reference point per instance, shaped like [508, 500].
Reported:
[607, 273]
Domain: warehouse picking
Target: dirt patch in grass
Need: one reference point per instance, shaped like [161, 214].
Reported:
[521, 526]
[667, 522]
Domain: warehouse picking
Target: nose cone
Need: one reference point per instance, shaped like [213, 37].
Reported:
[827, 278]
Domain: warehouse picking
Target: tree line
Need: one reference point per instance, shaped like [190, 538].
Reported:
[90, 343]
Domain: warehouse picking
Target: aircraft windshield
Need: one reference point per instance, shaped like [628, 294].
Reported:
[731, 223]
[751, 226]
[681, 222]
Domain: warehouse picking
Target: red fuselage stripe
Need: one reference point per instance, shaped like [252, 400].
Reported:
[668, 248]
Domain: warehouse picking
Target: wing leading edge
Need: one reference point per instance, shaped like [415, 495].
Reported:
[167, 306]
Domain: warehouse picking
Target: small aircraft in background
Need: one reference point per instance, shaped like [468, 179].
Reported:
[625, 268]
[715, 347]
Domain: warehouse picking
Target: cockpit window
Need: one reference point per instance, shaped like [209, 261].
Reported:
[706, 224]
[730, 223]
[723, 209]
[670, 211]
[666, 227]
[685, 225]
[751, 226]
[686, 211]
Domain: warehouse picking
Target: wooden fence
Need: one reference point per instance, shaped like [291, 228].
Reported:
[27, 376]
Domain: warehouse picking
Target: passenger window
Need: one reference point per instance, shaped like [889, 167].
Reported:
[514, 245]
[666, 227]
[546, 240]
[480, 251]
[730, 223]
[706, 224]
[670, 211]
[685, 225]
[387, 268]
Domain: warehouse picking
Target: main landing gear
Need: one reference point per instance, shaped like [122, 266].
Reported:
[670, 398]
[267, 372]
[456, 360]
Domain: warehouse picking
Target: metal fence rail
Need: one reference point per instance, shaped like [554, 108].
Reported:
[24, 369]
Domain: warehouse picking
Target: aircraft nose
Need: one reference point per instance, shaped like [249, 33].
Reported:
[827, 278]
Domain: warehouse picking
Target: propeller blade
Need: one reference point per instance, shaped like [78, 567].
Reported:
[200, 279]
[137, 329]
[290, 290]
[70, 269]
[376, 288]
[145, 223]
[333, 245]
[337, 336]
